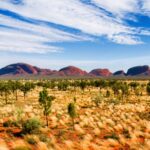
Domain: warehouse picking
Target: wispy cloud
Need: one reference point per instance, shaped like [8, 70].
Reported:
[90, 20]
[119, 8]
[20, 36]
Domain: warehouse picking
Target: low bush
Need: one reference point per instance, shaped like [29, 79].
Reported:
[43, 138]
[31, 126]
[10, 123]
[31, 140]
[112, 136]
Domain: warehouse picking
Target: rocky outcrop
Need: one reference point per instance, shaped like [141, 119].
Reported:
[72, 71]
[100, 72]
[139, 70]
[119, 73]
[24, 69]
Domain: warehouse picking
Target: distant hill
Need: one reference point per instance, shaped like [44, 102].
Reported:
[139, 70]
[23, 69]
[119, 73]
[72, 71]
[100, 72]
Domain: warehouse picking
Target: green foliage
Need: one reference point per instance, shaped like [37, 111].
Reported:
[148, 88]
[27, 87]
[120, 88]
[31, 140]
[47, 84]
[46, 102]
[31, 126]
[10, 123]
[116, 88]
[133, 85]
[5, 90]
[72, 110]
[63, 86]
[43, 138]
[125, 90]
[82, 85]
[112, 136]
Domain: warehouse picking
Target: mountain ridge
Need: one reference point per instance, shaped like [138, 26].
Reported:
[23, 69]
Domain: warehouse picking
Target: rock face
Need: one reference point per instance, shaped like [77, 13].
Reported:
[24, 69]
[119, 73]
[72, 71]
[139, 70]
[100, 72]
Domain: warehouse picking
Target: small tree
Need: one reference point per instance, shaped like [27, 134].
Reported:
[27, 87]
[72, 112]
[125, 90]
[134, 86]
[15, 86]
[5, 90]
[46, 102]
[82, 85]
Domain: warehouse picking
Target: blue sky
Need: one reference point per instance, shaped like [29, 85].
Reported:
[84, 33]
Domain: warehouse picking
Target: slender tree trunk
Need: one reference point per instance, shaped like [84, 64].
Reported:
[16, 95]
[46, 120]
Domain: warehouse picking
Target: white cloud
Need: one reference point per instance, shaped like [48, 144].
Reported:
[146, 7]
[70, 13]
[75, 14]
[120, 7]
[27, 37]
[126, 39]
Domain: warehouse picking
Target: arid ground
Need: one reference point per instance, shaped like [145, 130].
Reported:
[107, 115]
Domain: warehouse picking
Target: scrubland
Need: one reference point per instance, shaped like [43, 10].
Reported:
[106, 115]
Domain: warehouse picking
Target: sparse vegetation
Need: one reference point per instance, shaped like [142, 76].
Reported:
[120, 119]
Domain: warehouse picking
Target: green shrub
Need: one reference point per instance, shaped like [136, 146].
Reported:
[43, 138]
[112, 136]
[72, 112]
[31, 126]
[31, 140]
[7, 123]
[10, 123]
